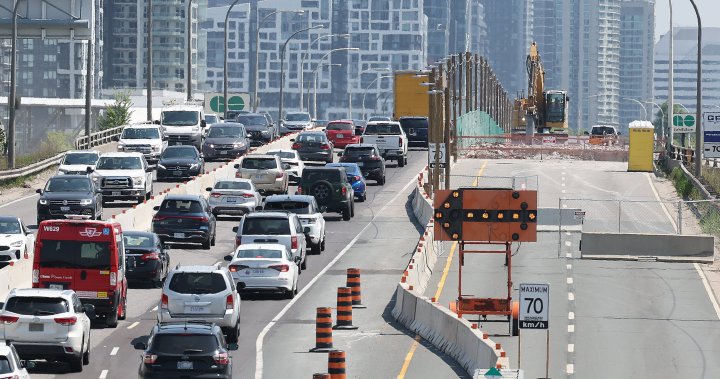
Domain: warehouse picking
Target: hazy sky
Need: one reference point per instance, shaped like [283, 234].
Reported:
[684, 15]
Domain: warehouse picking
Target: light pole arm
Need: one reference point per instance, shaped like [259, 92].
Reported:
[698, 96]
[282, 66]
[225, 61]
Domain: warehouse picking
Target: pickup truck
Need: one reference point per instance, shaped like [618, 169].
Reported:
[389, 138]
[124, 176]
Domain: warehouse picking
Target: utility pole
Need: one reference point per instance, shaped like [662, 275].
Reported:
[148, 58]
[698, 97]
[189, 51]
[432, 126]
[446, 117]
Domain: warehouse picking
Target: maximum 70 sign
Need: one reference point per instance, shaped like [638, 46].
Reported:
[534, 306]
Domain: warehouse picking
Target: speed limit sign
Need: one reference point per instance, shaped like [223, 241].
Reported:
[534, 306]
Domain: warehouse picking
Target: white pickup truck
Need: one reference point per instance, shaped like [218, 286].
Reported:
[390, 139]
[124, 176]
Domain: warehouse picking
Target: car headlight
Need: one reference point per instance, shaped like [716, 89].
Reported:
[85, 201]
[194, 166]
[210, 145]
[195, 129]
[239, 145]
[265, 132]
[137, 180]
[160, 166]
[156, 148]
[42, 202]
[16, 244]
[95, 178]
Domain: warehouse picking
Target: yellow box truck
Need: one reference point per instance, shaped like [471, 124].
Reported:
[411, 98]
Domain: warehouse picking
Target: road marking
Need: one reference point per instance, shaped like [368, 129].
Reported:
[409, 357]
[563, 191]
[114, 350]
[657, 197]
[570, 368]
[217, 263]
[18, 200]
[155, 309]
[571, 328]
[568, 266]
[266, 329]
[569, 280]
[446, 270]
[571, 296]
[103, 374]
[571, 315]
[134, 324]
[708, 289]
[568, 255]
[571, 347]
[568, 243]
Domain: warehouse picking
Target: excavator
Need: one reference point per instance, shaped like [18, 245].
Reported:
[541, 111]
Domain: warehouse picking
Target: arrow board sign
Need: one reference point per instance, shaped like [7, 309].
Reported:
[711, 134]
[534, 306]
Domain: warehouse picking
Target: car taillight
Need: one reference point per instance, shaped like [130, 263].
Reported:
[401, 142]
[149, 359]
[230, 302]
[215, 194]
[237, 175]
[164, 301]
[236, 268]
[344, 191]
[66, 321]
[293, 242]
[113, 278]
[221, 358]
[279, 175]
[356, 178]
[36, 276]
[238, 241]
[150, 257]
[374, 158]
[299, 190]
[10, 377]
[159, 218]
[281, 268]
[248, 195]
[295, 146]
[324, 146]
[8, 319]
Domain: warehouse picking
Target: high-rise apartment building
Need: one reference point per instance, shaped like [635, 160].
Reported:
[637, 33]
[454, 26]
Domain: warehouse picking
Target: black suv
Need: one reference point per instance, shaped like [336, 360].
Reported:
[190, 349]
[416, 129]
[178, 162]
[368, 158]
[69, 195]
[146, 259]
[258, 127]
[331, 189]
[185, 218]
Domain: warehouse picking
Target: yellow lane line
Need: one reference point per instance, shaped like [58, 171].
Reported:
[409, 357]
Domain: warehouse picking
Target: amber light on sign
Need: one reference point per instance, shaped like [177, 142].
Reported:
[438, 215]
[470, 215]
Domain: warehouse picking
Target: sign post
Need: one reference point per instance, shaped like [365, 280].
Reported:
[711, 134]
[535, 313]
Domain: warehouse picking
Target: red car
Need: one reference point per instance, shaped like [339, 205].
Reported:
[341, 133]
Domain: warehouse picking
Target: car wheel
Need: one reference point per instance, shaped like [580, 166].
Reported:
[140, 199]
[303, 265]
[289, 294]
[352, 210]
[86, 355]
[361, 198]
[346, 214]
[322, 244]
[76, 363]
[206, 244]
[212, 242]
[234, 333]
[315, 249]
[99, 217]
[401, 162]
[111, 320]
[149, 194]
[381, 181]
[123, 313]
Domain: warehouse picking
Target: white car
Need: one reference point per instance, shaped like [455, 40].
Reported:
[307, 210]
[15, 240]
[78, 162]
[297, 121]
[147, 139]
[295, 165]
[265, 267]
[11, 367]
[49, 324]
[124, 176]
[233, 197]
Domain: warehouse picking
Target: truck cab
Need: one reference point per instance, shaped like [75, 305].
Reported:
[183, 124]
[390, 139]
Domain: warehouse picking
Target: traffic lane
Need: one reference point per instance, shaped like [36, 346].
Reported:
[644, 319]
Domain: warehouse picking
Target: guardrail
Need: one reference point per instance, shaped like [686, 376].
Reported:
[98, 138]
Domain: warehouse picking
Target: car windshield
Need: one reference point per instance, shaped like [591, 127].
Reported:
[233, 185]
[180, 152]
[252, 119]
[10, 227]
[332, 176]
[137, 241]
[382, 129]
[358, 151]
[414, 123]
[259, 163]
[181, 206]
[339, 126]
[180, 118]
[68, 185]
[283, 154]
[226, 132]
[351, 169]
[266, 225]
[602, 130]
[298, 207]
[119, 163]
[259, 253]
[80, 158]
[75, 254]
[141, 133]
[297, 117]
[319, 138]
[36, 306]
[197, 282]
[379, 118]
[5, 367]
[211, 119]
[183, 344]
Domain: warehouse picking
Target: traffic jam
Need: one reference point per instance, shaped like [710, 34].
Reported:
[278, 206]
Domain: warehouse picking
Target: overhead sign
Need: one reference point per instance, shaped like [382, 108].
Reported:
[436, 154]
[215, 102]
[711, 134]
[69, 19]
[683, 123]
[534, 306]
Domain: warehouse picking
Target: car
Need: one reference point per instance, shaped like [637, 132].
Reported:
[225, 141]
[359, 126]
[65, 195]
[271, 122]
[194, 349]
[211, 118]
[148, 139]
[313, 146]
[341, 133]
[185, 218]
[265, 267]
[233, 197]
[201, 293]
[258, 127]
[416, 129]
[124, 176]
[265, 171]
[297, 121]
[232, 115]
[605, 135]
[146, 258]
[320, 124]
[273, 227]
[78, 162]
[355, 177]
[389, 138]
[51, 324]
[331, 189]
[292, 163]
[183, 124]
[368, 158]
[307, 210]
[178, 162]
[16, 240]
[379, 118]
[11, 366]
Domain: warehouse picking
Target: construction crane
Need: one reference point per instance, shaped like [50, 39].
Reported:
[541, 111]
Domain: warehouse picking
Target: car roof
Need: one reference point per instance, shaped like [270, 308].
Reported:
[10, 218]
[182, 197]
[341, 122]
[196, 327]
[342, 164]
[261, 246]
[82, 152]
[305, 113]
[280, 214]
[313, 132]
[73, 176]
[142, 126]
[279, 198]
[281, 151]
[234, 180]
[413, 118]
[266, 156]
[138, 233]
[360, 145]
[120, 154]
[196, 268]
[383, 123]
[320, 168]
[183, 107]
[40, 292]
[228, 124]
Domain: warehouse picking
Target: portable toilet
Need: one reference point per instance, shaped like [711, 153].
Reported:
[642, 143]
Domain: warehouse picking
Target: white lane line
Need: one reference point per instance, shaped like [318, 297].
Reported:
[568, 233]
[114, 350]
[708, 289]
[154, 309]
[568, 255]
[571, 315]
[568, 266]
[563, 191]
[568, 243]
[259, 341]
[571, 296]
[570, 368]
[103, 374]
[569, 280]
[571, 328]
[657, 197]
[134, 324]
[563, 173]
[18, 200]
[571, 347]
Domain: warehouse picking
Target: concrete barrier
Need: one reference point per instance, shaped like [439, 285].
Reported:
[656, 245]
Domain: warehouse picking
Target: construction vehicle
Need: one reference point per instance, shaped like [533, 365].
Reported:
[411, 97]
[541, 111]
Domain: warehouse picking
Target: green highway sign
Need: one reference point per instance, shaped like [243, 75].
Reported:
[215, 102]
[683, 123]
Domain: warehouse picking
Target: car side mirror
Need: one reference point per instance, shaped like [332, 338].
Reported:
[258, 208]
[232, 346]
[156, 122]
[618, 133]
[116, 138]
[236, 165]
[89, 311]
[340, 154]
[249, 135]
[313, 120]
[208, 189]
[89, 170]
[323, 209]
[165, 138]
[140, 346]
[306, 230]
[156, 208]
[98, 190]
[235, 229]
[149, 169]
[292, 139]
[203, 123]
[297, 259]
[28, 364]
[39, 190]
[586, 133]
[228, 258]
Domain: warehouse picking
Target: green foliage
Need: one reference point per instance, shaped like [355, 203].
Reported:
[116, 114]
[683, 185]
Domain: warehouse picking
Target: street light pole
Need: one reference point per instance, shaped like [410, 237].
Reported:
[148, 85]
[13, 89]
[698, 98]
[320, 65]
[225, 62]
[302, 62]
[188, 73]
[641, 104]
[282, 66]
[663, 122]
[671, 100]
[368, 87]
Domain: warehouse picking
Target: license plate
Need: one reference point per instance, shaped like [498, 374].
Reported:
[184, 365]
[55, 286]
[116, 193]
[223, 153]
[179, 235]
[258, 271]
[194, 309]
[360, 164]
[37, 327]
[258, 176]
[177, 173]
[340, 136]
[64, 209]
[231, 199]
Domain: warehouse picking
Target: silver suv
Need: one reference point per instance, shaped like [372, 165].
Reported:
[202, 293]
[281, 227]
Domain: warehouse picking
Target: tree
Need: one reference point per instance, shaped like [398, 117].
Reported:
[661, 121]
[117, 113]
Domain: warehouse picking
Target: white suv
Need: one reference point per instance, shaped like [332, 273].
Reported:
[280, 227]
[147, 139]
[307, 210]
[11, 367]
[202, 293]
[78, 162]
[124, 176]
[47, 324]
